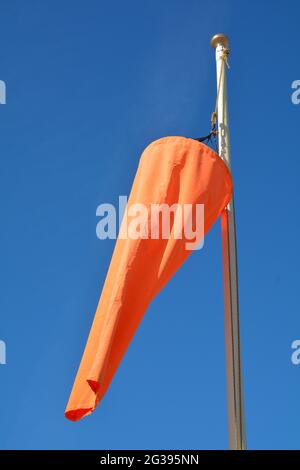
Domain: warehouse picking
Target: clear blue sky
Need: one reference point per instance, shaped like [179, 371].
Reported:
[89, 85]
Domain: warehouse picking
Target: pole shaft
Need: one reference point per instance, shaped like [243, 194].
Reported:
[235, 405]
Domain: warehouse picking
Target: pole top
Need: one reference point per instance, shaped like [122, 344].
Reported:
[221, 39]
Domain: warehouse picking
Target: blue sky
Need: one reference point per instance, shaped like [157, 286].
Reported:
[89, 85]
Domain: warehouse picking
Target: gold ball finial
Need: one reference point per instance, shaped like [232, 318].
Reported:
[219, 39]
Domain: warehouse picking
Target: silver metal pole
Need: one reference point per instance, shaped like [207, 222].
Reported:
[235, 401]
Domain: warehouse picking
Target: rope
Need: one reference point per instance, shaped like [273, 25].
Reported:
[213, 133]
[224, 57]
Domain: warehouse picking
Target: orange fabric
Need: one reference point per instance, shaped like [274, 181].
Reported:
[171, 170]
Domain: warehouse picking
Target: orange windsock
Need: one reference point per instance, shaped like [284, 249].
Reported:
[172, 170]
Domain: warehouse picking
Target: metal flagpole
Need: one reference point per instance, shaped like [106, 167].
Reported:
[235, 405]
